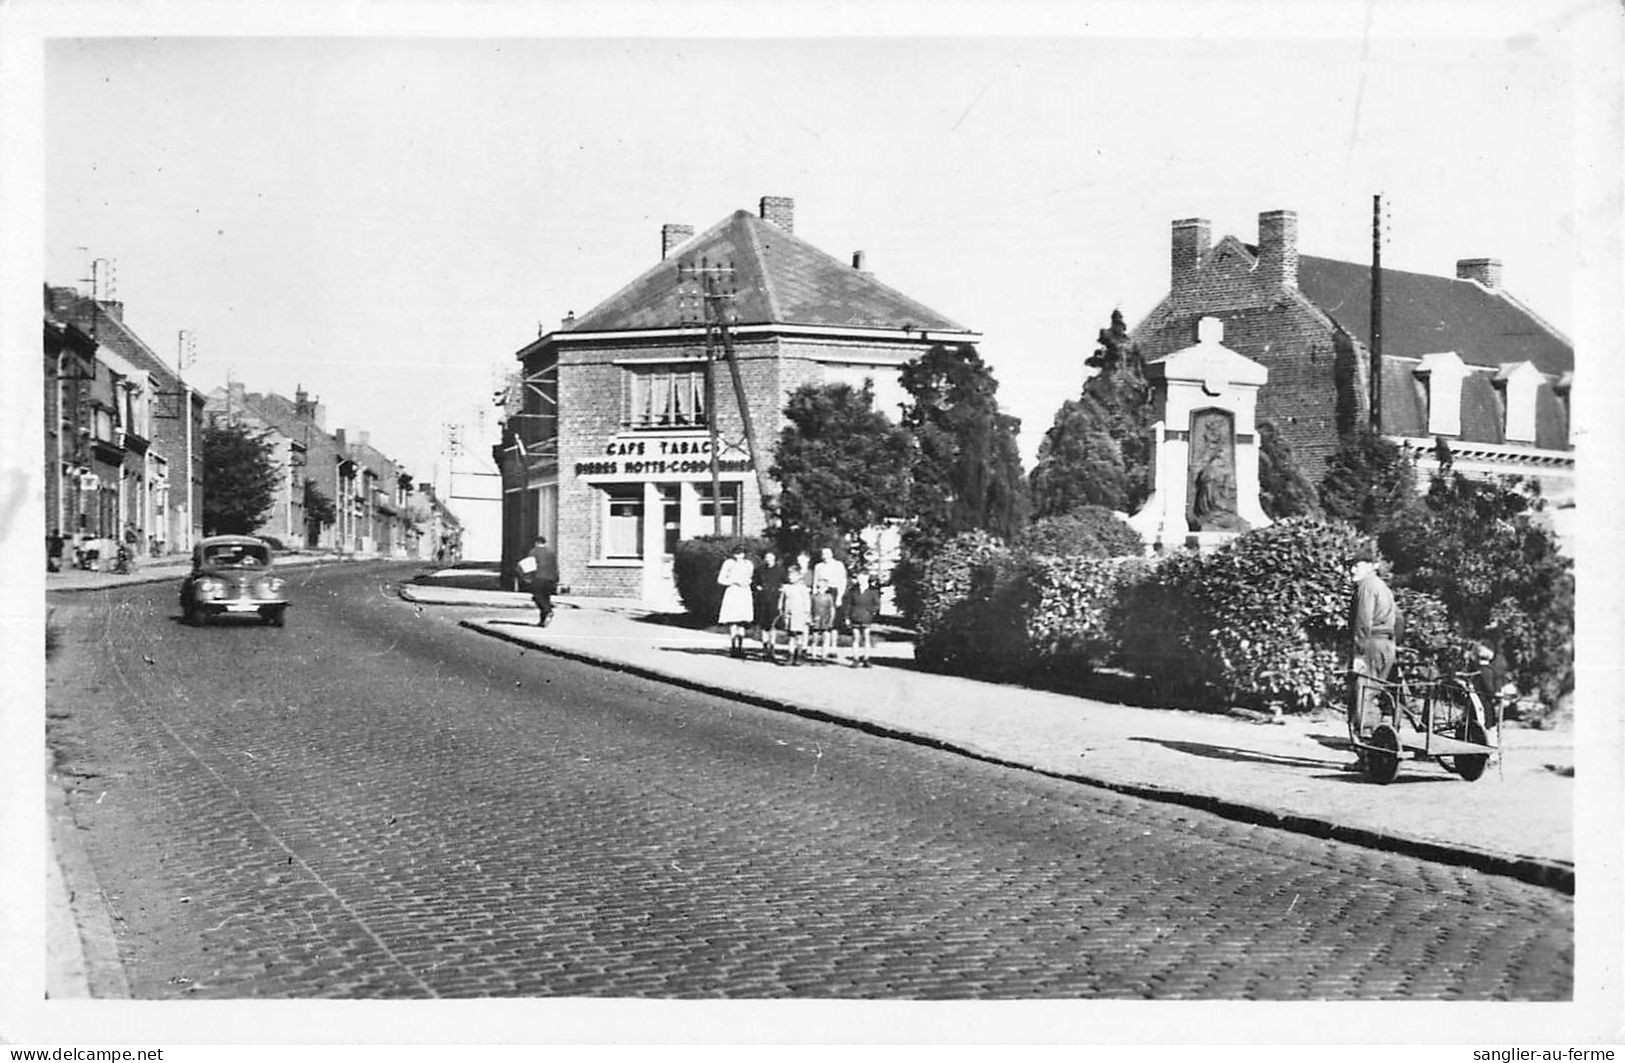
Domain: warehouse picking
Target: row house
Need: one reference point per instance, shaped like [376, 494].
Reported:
[1463, 360]
[384, 518]
[371, 498]
[441, 532]
[311, 460]
[123, 458]
[608, 450]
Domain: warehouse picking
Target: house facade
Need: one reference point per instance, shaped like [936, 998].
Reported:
[607, 448]
[122, 430]
[1462, 359]
[311, 461]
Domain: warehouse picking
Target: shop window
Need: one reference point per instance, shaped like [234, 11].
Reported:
[668, 397]
[623, 521]
[730, 507]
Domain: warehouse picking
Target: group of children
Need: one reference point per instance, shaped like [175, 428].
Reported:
[811, 603]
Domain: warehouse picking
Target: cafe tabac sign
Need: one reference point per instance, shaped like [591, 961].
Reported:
[662, 456]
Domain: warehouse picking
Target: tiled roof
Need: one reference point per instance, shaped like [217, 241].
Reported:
[1483, 416]
[1424, 314]
[778, 279]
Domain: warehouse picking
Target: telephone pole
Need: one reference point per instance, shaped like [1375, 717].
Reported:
[718, 321]
[1376, 314]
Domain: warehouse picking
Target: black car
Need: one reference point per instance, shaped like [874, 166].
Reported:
[231, 575]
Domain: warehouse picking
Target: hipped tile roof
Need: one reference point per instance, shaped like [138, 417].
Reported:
[779, 279]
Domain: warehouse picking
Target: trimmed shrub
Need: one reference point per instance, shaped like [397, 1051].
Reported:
[1072, 607]
[1258, 622]
[1088, 531]
[695, 564]
[968, 606]
[1429, 629]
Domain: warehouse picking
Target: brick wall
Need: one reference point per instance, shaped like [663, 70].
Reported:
[593, 401]
[1317, 383]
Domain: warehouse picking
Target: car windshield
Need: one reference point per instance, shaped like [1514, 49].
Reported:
[245, 554]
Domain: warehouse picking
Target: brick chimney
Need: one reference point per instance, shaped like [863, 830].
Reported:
[781, 211]
[671, 236]
[1486, 271]
[860, 262]
[1190, 246]
[1278, 248]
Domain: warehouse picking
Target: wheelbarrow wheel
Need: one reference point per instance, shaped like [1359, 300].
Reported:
[1382, 755]
[1470, 766]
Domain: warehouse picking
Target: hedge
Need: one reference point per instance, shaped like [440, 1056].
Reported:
[1260, 622]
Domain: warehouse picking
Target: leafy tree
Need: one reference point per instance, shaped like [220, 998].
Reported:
[1283, 490]
[318, 507]
[967, 469]
[1368, 482]
[1479, 546]
[1098, 451]
[240, 475]
[842, 467]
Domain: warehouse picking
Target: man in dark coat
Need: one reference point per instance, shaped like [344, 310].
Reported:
[542, 564]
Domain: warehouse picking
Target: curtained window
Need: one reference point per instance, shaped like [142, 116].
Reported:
[668, 397]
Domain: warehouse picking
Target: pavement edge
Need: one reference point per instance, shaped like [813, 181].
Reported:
[1550, 874]
[89, 963]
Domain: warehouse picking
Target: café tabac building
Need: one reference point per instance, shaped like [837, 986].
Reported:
[607, 447]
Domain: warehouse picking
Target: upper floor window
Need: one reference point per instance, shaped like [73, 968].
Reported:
[1443, 373]
[667, 396]
[1520, 384]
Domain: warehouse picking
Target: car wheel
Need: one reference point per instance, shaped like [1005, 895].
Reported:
[275, 618]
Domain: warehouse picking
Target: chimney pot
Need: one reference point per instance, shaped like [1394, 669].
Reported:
[672, 235]
[568, 321]
[1278, 248]
[781, 211]
[1486, 271]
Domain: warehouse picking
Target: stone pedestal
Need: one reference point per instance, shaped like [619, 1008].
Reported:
[1206, 449]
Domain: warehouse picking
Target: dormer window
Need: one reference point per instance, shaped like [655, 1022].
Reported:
[1519, 383]
[1442, 374]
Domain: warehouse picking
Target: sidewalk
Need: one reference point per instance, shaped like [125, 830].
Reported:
[160, 569]
[1517, 820]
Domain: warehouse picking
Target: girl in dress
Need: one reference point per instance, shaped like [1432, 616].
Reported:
[737, 610]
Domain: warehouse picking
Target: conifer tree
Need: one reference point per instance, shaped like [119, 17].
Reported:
[1098, 451]
[842, 467]
[1283, 490]
[967, 467]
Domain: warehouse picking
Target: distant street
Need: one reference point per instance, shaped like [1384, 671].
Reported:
[374, 802]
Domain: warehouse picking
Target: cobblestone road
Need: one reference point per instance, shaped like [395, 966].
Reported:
[375, 803]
